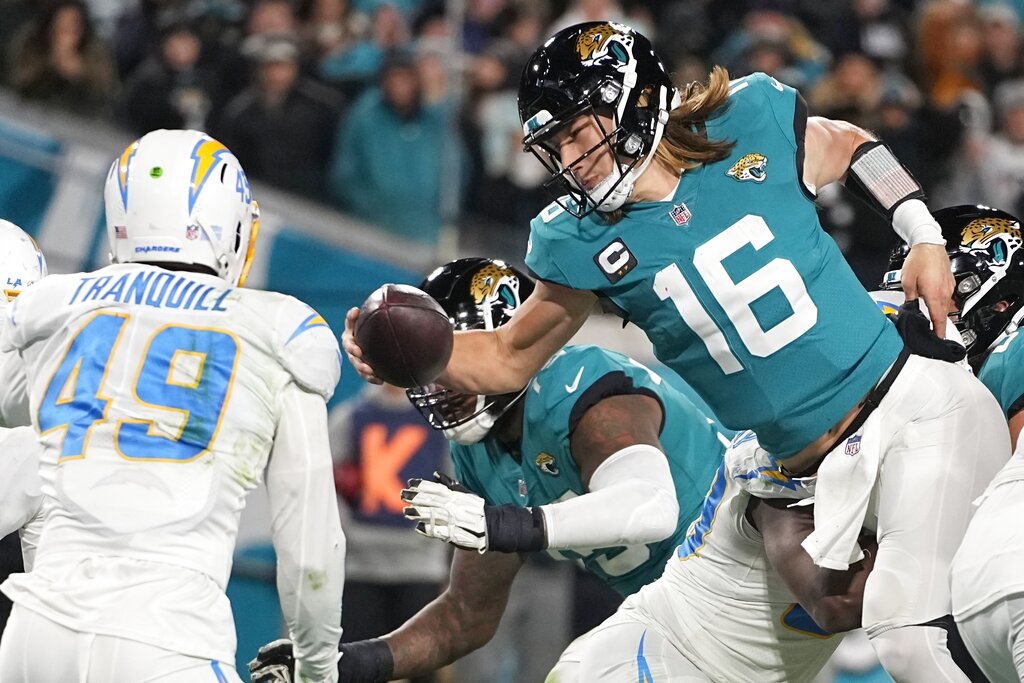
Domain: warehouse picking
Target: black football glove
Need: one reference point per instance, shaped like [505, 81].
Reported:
[919, 337]
[274, 663]
[364, 661]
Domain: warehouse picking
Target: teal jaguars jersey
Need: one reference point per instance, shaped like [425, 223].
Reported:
[575, 379]
[1003, 373]
[734, 281]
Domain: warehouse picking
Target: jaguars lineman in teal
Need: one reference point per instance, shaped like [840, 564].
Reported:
[545, 471]
[734, 281]
[1003, 374]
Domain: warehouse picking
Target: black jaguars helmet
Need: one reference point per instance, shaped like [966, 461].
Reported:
[987, 259]
[477, 294]
[586, 69]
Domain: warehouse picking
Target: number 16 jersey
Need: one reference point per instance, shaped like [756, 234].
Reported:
[734, 281]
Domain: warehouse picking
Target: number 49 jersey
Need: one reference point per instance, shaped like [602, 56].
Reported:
[157, 395]
[734, 281]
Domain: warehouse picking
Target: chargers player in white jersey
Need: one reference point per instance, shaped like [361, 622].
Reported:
[21, 265]
[163, 393]
[739, 599]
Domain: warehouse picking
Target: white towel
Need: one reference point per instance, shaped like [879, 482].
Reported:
[846, 478]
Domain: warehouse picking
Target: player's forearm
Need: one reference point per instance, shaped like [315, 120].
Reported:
[306, 532]
[839, 602]
[504, 360]
[439, 634]
[482, 364]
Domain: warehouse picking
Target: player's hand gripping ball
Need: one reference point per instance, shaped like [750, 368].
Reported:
[405, 335]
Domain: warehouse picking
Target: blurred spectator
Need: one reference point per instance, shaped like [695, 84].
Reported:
[379, 441]
[776, 42]
[481, 22]
[899, 124]
[686, 31]
[17, 14]
[595, 10]
[949, 46]
[393, 153]
[269, 17]
[354, 68]
[329, 27]
[1001, 164]
[60, 60]
[509, 189]
[266, 18]
[172, 88]
[1002, 59]
[282, 127]
[138, 33]
[875, 28]
[851, 92]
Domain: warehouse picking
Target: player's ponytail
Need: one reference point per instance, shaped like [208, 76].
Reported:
[685, 144]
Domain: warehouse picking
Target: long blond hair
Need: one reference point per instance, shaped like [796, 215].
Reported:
[684, 144]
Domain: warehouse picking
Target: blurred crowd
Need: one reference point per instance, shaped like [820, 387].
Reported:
[403, 112]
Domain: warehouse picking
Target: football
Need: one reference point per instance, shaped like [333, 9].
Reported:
[405, 335]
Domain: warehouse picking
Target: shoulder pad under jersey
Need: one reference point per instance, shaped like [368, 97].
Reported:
[308, 347]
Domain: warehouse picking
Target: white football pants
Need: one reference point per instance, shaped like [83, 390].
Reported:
[35, 649]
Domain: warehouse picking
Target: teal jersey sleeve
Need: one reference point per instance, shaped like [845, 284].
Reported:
[1003, 373]
[576, 379]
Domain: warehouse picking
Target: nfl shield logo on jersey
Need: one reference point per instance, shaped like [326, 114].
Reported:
[853, 445]
[680, 214]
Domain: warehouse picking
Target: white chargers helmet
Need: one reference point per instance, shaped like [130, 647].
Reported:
[179, 196]
[21, 262]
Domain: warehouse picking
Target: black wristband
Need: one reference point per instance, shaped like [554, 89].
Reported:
[514, 529]
[856, 185]
[365, 661]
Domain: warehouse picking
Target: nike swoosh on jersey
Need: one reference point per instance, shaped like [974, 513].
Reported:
[575, 383]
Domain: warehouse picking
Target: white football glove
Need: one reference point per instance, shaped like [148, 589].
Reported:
[447, 510]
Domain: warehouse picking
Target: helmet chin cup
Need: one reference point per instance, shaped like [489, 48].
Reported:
[619, 185]
[472, 431]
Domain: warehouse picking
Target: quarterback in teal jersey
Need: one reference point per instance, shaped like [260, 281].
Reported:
[692, 211]
[596, 459]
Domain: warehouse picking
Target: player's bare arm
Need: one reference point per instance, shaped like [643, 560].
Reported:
[834, 599]
[830, 147]
[460, 620]
[505, 359]
[615, 423]
[1016, 423]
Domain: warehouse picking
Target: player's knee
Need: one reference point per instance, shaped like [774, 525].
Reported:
[912, 653]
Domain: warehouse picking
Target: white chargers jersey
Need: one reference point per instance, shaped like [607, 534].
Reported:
[20, 495]
[724, 607]
[159, 398]
[13, 391]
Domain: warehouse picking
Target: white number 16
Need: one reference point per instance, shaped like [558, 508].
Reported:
[735, 298]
